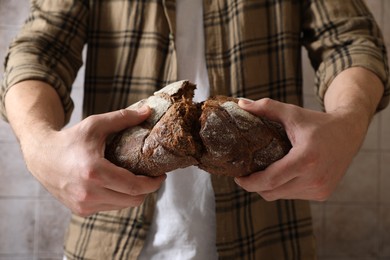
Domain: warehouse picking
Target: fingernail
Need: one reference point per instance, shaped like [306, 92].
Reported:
[237, 181]
[245, 101]
[143, 110]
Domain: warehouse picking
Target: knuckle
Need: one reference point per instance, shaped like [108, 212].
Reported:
[81, 211]
[265, 101]
[125, 113]
[268, 196]
[88, 173]
[84, 213]
[322, 196]
[319, 183]
[137, 201]
[82, 204]
[134, 190]
[82, 197]
[321, 188]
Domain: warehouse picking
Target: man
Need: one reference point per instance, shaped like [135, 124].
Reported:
[252, 50]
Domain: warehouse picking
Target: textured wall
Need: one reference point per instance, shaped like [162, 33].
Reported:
[353, 224]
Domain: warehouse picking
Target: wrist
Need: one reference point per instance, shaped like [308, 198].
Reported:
[35, 138]
[355, 122]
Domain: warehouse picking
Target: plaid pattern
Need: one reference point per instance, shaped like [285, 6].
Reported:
[253, 49]
[250, 228]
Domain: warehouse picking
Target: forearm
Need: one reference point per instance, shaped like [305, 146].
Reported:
[33, 109]
[354, 93]
[323, 144]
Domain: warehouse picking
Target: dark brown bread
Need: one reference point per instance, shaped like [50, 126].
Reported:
[163, 142]
[236, 142]
[216, 135]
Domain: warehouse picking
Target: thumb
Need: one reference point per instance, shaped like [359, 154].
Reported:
[266, 107]
[116, 121]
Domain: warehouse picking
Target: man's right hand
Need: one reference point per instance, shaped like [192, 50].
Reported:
[70, 163]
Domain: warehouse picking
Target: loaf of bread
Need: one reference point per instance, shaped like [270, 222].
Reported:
[215, 135]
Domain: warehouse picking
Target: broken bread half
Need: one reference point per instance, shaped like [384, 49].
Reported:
[215, 135]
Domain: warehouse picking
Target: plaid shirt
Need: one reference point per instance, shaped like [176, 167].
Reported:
[253, 49]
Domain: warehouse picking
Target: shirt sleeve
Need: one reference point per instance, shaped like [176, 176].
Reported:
[48, 48]
[340, 35]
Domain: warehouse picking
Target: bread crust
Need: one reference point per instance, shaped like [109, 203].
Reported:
[216, 135]
[238, 143]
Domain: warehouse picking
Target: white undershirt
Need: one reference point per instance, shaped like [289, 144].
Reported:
[183, 225]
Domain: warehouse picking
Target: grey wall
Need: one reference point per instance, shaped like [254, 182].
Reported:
[353, 224]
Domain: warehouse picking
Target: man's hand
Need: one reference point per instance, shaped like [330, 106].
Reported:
[71, 165]
[323, 147]
[324, 143]
[70, 162]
